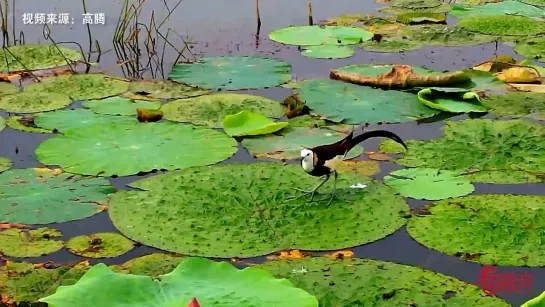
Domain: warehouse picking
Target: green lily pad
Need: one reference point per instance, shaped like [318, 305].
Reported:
[66, 120]
[517, 104]
[212, 283]
[124, 149]
[2, 123]
[328, 52]
[538, 301]
[429, 184]
[502, 25]
[250, 123]
[100, 245]
[261, 220]
[18, 123]
[119, 106]
[7, 88]
[416, 4]
[540, 3]
[33, 102]
[398, 7]
[309, 121]
[209, 110]
[81, 87]
[354, 104]
[151, 265]
[35, 57]
[320, 35]
[457, 102]
[533, 48]
[484, 81]
[509, 228]
[290, 141]
[233, 73]
[505, 177]
[5, 164]
[507, 7]
[366, 282]
[393, 44]
[482, 145]
[421, 17]
[30, 243]
[43, 196]
[165, 89]
[443, 35]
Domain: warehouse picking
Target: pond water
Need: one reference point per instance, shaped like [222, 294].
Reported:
[229, 28]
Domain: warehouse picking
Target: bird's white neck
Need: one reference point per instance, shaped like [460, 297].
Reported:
[307, 164]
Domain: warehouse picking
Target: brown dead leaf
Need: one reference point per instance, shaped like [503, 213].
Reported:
[496, 64]
[401, 77]
[148, 115]
[295, 107]
[289, 254]
[9, 77]
[536, 88]
[60, 72]
[8, 226]
[378, 156]
[519, 75]
[340, 255]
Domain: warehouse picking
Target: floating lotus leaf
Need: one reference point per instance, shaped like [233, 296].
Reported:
[212, 283]
[484, 81]
[455, 102]
[416, 4]
[309, 121]
[502, 25]
[165, 89]
[81, 87]
[366, 282]
[507, 7]
[119, 106]
[536, 301]
[151, 265]
[394, 44]
[360, 167]
[30, 243]
[43, 196]
[100, 245]
[35, 57]
[33, 102]
[5, 164]
[410, 6]
[250, 123]
[66, 120]
[533, 48]
[320, 35]
[509, 228]
[289, 142]
[346, 20]
[328, 52]
[354, 104]
[210, 110]
[421, 17]
[19, 123]
[473, 2]
[233, 73]
[482, 145]
[443, 35]
[7, 88]
[2, 123]
[261, 220]
[505, 177]
[540, 3]
[129, 148]
[429, 184]
[517, 104]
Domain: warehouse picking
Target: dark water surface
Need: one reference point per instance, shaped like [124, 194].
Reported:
[229, 27]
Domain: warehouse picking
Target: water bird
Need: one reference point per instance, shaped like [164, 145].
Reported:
[322, 161]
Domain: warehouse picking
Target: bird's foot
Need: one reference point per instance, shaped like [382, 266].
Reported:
[335, 196]
[312, 193]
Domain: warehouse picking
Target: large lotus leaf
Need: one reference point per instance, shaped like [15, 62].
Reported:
[533, 48]
[430, 184]
[119, 106]
[250, 123]
[328, 52]
[510, 229]
[538, 301]
[508, 7]
[212, 283]
[455, 102]
[517, 104]
[5, 164]
[81, 87]
[354, 104]
[2, 123]
[33, 102]
[152, 265]
[211, 109]
[502, 25]
[100, 245]
[290, 141]
[165, 89]
[232, 73]
[366, 282]
[261, 219]
[22, 124]
[34, 57]
[29, 243]
[129, 148]
[320, 35]
[482, 145]
[66, 120]
[42, 196]
[7, 88]
[443, 35]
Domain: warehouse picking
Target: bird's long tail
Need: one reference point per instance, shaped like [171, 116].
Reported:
[352, 141]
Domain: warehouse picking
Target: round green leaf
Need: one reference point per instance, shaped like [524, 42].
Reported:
[517, 104]
[100, 245]
[355, 104]
[19, 123]
[249, 123]
[81, 87]
[443, 35]
[5, 164]
[290, 141]
[502, 25]
[212, 283]
[29, 243]
[7, 88]
[66, 120]
[320, 35]
[152, 265]
[484, 81]
[233, 73]
[455, 102]
[119, 106]
[33, 102]
[506, 7]
[35, 57]
[427, 183]
[165, 89]
[210, 110]
[366, 282]
[124, 149]
[533, 48]
[510, 229]
[43, 196]
[261, 220]
[328, 52]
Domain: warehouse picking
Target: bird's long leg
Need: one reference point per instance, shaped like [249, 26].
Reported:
[313, 191]
[334, 193]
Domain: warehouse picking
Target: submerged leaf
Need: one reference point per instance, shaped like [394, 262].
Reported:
[250, 123]
[328, 52]
[100, 245]
[34, 57]
[29, 243]
[461, 101]
[320, 35]
[33, 102]
[81, 87]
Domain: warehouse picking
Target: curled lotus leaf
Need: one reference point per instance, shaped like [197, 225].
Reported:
[247, 123]
[100, 245]
[29, 243]
[5, 164]
[165, 89]
[320, 35]
[502, 25]
[33, 102]
[35, 57]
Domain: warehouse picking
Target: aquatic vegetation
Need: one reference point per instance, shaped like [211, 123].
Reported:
[328, 52]
[30, 242]
[451, 100]
[421, 17]
[533, 48]
[100, 245]
[443, 35]
[502, 25]
[152, 265]
[33, 102]
[26, 124]
[484, 81]
[2, 123]
[320, 35]
[118, 106]
[67, 120]
[5, 164]
[517, 104]
[390, 44]
[34, 57]
[508, 7]
[536, 301]
[7, 89]
[165, 89]
[398, 7]
[246, 123]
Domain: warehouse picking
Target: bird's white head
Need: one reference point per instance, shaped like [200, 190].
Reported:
[307, 161]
